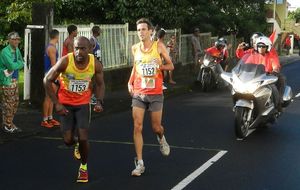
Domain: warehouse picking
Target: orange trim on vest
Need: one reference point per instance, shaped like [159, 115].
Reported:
[75, 83]
[148, 78]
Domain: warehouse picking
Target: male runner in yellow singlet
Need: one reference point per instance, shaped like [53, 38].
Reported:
[75, 72]
[145, 86]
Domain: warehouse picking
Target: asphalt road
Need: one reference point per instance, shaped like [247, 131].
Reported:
[199, 127]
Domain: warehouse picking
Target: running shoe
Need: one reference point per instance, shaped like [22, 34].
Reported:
[164, 87]
[54, 122]
[139, 168]
[46, 124]
[83, 176]
[164, 146]
[7, 129]
[16, 129]
[76, 152]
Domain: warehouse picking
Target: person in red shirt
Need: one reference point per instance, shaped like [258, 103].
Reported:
[219, 52]
[244, 48]
[267, 57]
[287, 44]
[68, 45]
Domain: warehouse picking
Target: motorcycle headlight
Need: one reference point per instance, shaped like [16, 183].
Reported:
[206, 62]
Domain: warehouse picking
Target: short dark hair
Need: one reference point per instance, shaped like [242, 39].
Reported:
[161, 33]
[145, 20]
[71, 28]
[53, 33]
[96, 29]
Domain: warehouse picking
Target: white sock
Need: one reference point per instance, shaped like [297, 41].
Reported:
[141, 162]
[50, 117]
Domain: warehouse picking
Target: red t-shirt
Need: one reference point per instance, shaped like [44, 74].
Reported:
[213, 51]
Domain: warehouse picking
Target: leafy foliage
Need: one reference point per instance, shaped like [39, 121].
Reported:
[216, 16]
[295, 15]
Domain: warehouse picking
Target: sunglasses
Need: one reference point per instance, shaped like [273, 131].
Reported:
[261, 46]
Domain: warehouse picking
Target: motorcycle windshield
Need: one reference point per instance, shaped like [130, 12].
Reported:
[249, 67]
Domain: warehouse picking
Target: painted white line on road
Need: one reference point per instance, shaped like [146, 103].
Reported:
[199, 171]
[131, 143]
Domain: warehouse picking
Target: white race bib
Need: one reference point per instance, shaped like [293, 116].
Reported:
[78, 85]
[147, 69]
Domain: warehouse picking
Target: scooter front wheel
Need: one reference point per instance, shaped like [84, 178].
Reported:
[240, 122]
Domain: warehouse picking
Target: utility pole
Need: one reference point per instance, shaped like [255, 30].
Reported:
[42, 22]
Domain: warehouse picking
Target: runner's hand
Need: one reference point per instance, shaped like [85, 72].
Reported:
[61, 110]
[130, 89]
[98, 107]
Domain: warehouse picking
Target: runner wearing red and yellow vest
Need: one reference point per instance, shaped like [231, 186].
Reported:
[148, 76]
[75, 72]
[145, 87]
[75, 84]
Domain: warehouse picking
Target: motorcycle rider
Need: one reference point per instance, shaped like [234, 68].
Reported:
[219, 52]
[244, 48]
[263, 46]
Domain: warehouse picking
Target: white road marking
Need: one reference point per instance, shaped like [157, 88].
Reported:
[297, 95]
[199, 171]
[185, 181]
[131, 143]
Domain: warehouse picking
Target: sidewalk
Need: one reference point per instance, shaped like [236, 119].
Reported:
[29, 119]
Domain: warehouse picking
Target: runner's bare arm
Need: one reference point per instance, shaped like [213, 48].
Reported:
[51, 51]
[131, 78]
[52, 75]
[164, 53]
[100, 86]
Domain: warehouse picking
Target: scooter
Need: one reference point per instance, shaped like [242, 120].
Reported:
[253, 96]
[207, 74]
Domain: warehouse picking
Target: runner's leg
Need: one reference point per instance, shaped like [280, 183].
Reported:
[138, 118]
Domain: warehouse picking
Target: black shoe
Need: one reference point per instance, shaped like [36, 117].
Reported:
[16, 129]
[7, 129]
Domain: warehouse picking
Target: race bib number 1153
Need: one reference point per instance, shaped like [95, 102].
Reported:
[78, 85]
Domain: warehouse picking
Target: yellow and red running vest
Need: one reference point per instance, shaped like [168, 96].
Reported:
[148, 77]
[75, 84]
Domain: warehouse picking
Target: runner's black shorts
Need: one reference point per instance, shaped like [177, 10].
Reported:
[79, 117]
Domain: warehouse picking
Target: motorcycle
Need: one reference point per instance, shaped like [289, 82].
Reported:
[253, 96]
[207, 74]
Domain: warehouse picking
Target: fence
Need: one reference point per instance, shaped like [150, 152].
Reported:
[116, 41]
[113, 38]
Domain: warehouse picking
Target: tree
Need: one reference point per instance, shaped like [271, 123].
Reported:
[295, 15]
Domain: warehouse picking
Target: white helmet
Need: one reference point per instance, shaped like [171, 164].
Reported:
[263, 40]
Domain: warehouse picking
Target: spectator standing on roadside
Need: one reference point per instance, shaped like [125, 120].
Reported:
[197, 50]
[96, 50]
[96, 31]
[68, 45]
[172, 47]
[11, 61]
[50, 58]
[287, 44]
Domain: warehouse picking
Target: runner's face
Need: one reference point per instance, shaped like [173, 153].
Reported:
[143, 32]
[81, 50]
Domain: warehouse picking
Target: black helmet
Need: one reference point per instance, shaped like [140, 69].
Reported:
[254, 36]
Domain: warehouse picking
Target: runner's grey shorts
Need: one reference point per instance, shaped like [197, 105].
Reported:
[152, 103]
